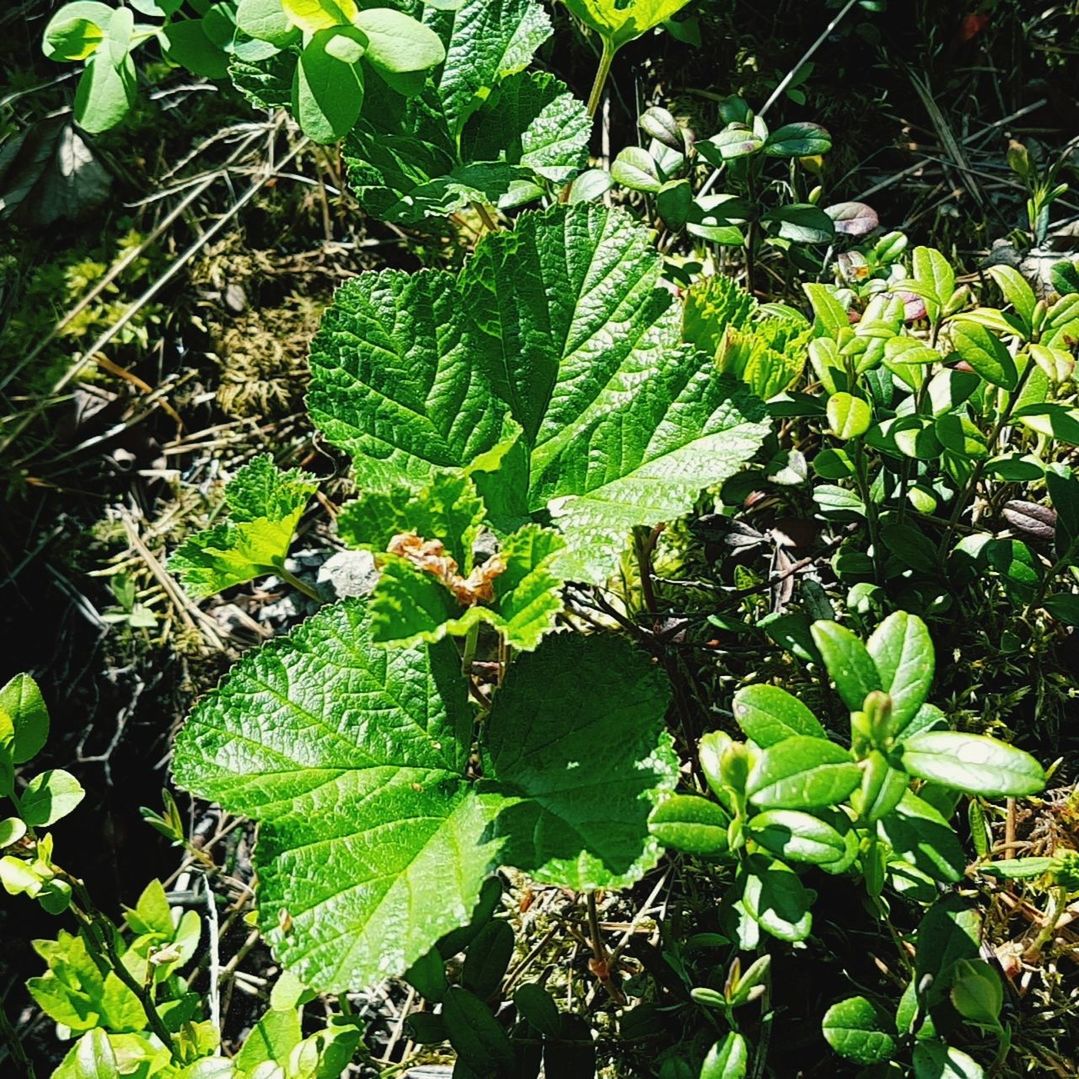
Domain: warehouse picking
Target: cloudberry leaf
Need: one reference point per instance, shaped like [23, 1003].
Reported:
[373, 840]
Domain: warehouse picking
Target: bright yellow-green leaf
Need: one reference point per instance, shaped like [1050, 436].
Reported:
[312, 15]
[619, 23]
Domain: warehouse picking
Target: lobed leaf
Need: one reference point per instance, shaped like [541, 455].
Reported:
[373, 843]
[265, 506]
[558, 329]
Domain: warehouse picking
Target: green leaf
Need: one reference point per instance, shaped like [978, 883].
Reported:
[487, 958]
[1016, 291]
[1017, 868]
[185, 43]
[727, 1059]
[49, 797]
[105, 92]
[327, 88]
[935, 1060]
[622, 425]
[535, 1005]
[922, 837]
[973, 763]
[847, 661]
[691, 824]
[986, 353]
[487, 41]
[352, 757]
[830, 317]
[272, 1038]
[800, 773]
[776, 899]
[976, 992]
[618, 23]
[12, 829]
[76, 30]
[265, 20]
[314, 15]
[448, 509]
[94, 1057]
[373, 843]
[265, 506]
[797, 836]
[530, 120]
[410, 604]
[21, 702]
[802, 223]
[474, 1032]
[635, 168]
[1063, 605]
[848, 416]
[881, 788]
[902, 652]
[798, 140]
[398, 43]
[768, 714]
[566, 818]
[858, 1030]
[935, 277]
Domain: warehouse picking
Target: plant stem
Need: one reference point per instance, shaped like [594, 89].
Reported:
[100, 932]
[488, 221]
[18, 1052]
[300, 586]
[604, 69]
[970, 487]
[861, 480]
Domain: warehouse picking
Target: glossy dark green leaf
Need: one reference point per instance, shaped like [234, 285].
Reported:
[973, 763]
[800, 773]
[801, 223]
[918, 834]
[691, 824]
[798, 836]
[774, 897]
[798, 140]
[21, 702]
[848, 662]
[902, 652]
[488, 958]
[986, 353]
[768, 714]
[474, 1032]
[727, 1059]
[537, 1006]
[880, 790]
[860, 1031]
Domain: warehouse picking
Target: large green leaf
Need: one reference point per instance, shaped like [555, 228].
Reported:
[620, 21]
[902, 652]
[577, 752]
[858, 1030]
[485, 131]
[373, 842]
[486, 40]
[558, 329]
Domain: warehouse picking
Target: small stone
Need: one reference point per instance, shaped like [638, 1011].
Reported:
[348, 573]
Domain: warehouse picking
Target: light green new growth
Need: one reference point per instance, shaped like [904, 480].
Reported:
[264, 507]
[431, 583]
